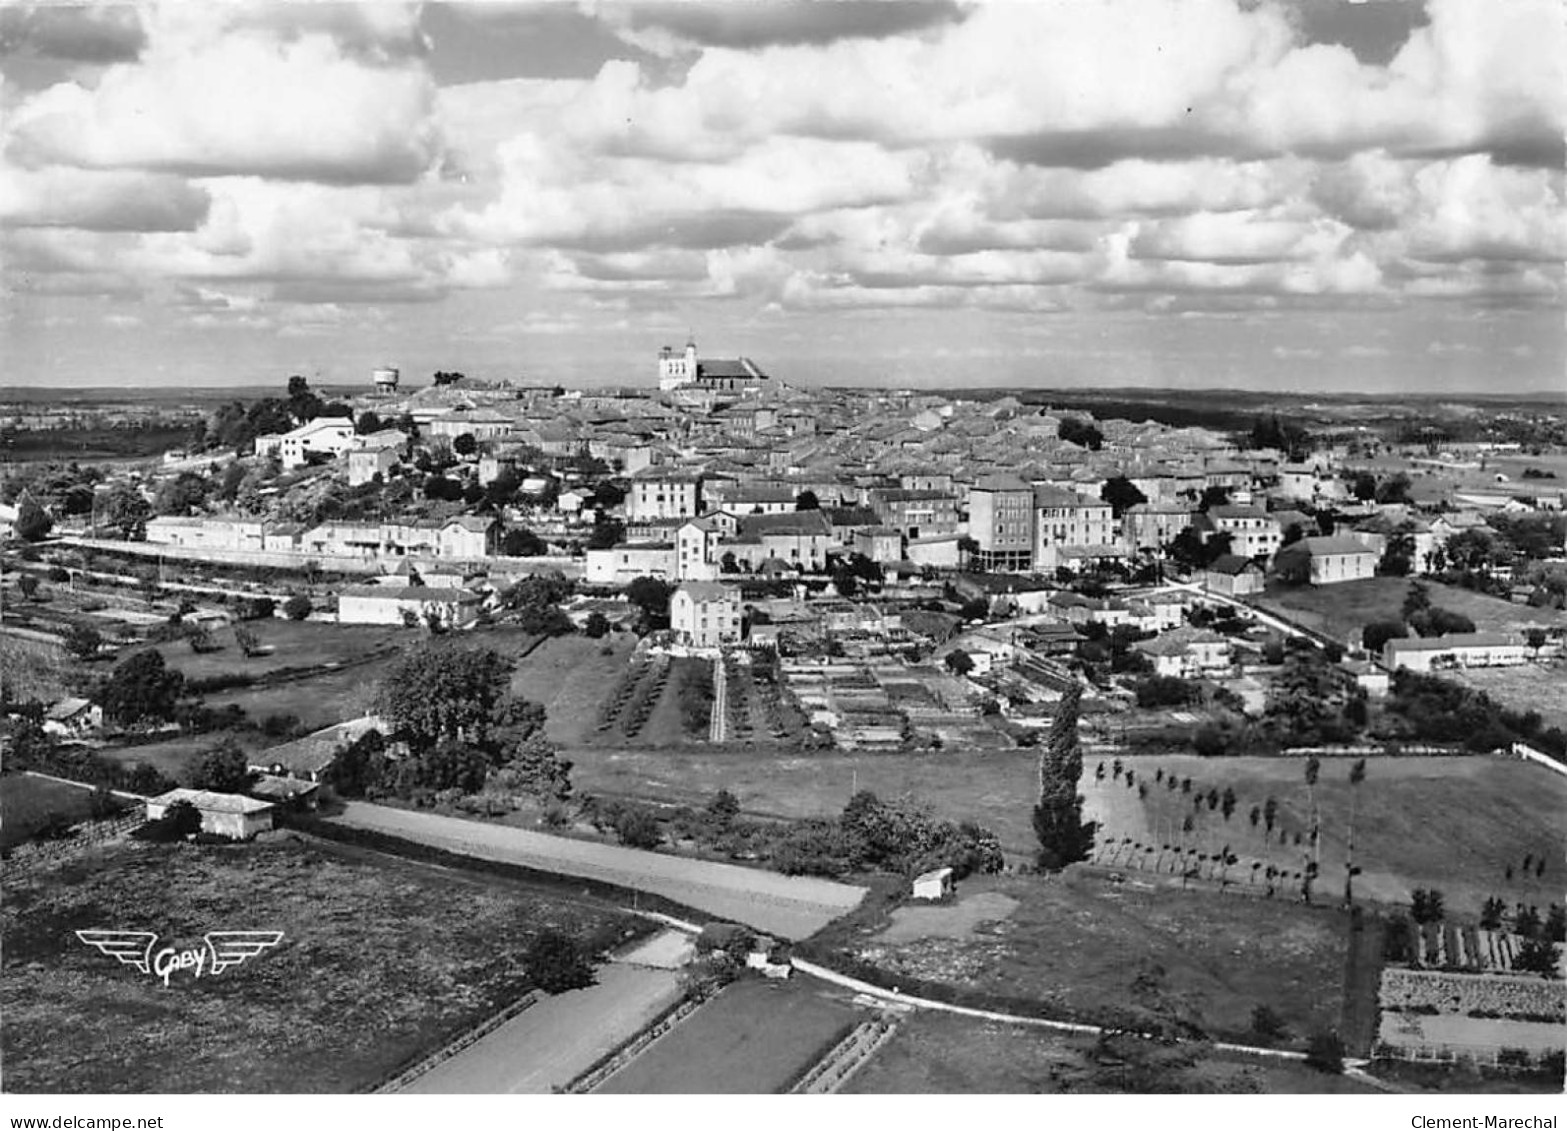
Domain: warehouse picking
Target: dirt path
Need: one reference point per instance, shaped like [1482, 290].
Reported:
[791, 906]
[550, 1044]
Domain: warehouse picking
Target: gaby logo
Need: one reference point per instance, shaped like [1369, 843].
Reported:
[223, 949]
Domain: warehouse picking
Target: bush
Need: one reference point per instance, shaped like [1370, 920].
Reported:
[1266, 1024]
[637, 828]
[557, 963]
[298, 607]
[1325, 1053]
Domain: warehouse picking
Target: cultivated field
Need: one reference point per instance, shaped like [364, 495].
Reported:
[995, 788]
[753, 1038]
[173, 757]
[293, 644]
[1346, 608]
[317, 702]
[32, 669]
[1145, 954]
[1451, 823]
[27, 804]
[570, 675]
[382, 961]
[939, 1053]
[1528, 687]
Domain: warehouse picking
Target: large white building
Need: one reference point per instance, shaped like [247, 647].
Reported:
[1459, 650]
[1065, 520]
[1001, 522]
[658, 493]
[325, 435]
[1254, 533]
[705, 614]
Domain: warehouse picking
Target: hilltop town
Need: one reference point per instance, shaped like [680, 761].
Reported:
[854, 635]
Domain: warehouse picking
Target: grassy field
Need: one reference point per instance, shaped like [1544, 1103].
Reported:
[1528, 687]
[173, 756]
[1340, 610]
[938, 1053]
[994, 788]
[570, 675]
[28, 803]
[1127, 953]
[753, 1038]
[32, 669]
[294, 644]
[318, 701]
[382, 960]
[1450, 823]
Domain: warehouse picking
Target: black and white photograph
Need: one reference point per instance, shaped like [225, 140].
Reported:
[721, 549]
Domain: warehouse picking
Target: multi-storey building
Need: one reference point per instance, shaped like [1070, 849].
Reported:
[1001, 522]
[1065, 520]
[1254, 533]
[659, 493]
[705, 614]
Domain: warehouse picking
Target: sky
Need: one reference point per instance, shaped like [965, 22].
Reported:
[1304, 195]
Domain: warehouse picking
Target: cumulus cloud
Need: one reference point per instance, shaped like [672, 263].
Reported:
[100, 201]
[209, 101]
[665, 27]
[76, 33]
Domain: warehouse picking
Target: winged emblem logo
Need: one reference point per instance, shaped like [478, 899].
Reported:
[223, 949]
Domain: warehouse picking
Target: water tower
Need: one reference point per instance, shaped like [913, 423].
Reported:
[385, 379]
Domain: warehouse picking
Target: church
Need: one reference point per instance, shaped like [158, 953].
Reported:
[686, 371]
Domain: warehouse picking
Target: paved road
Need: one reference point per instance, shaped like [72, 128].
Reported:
[789, 906]
[555, 1041]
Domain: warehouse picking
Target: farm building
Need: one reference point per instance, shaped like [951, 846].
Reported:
[72, 718]
[222, 814]
[1233, 576]
[1326, 561]
[1459, 650]
[935, 884]
[388, 604]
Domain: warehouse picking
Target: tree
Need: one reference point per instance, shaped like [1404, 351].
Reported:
[537, 768]
[1215, 496]
[1379, 632]
[32, 522]
[442, 377]
[83, 641]
[1270, 815]
[1075, 430]
[298, 607]
[1325, 1052]
[1122, 495]
[181, 819]
[807, 501]
[519, 542]
[438, 691]
[637, 828]
[125, 509]
[28, 584]
[1357, 774]
[1064, 837]
[224, 769]
[1227, 802]
[651, 596]
[556, 963]
[1267, 1024]
[465, 444]
[1538, 955]
[959, 662]
[141, 687]
[1491, 914]
[1426, 906]
[1417, 599]
[1313, 771]
[597, 625]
